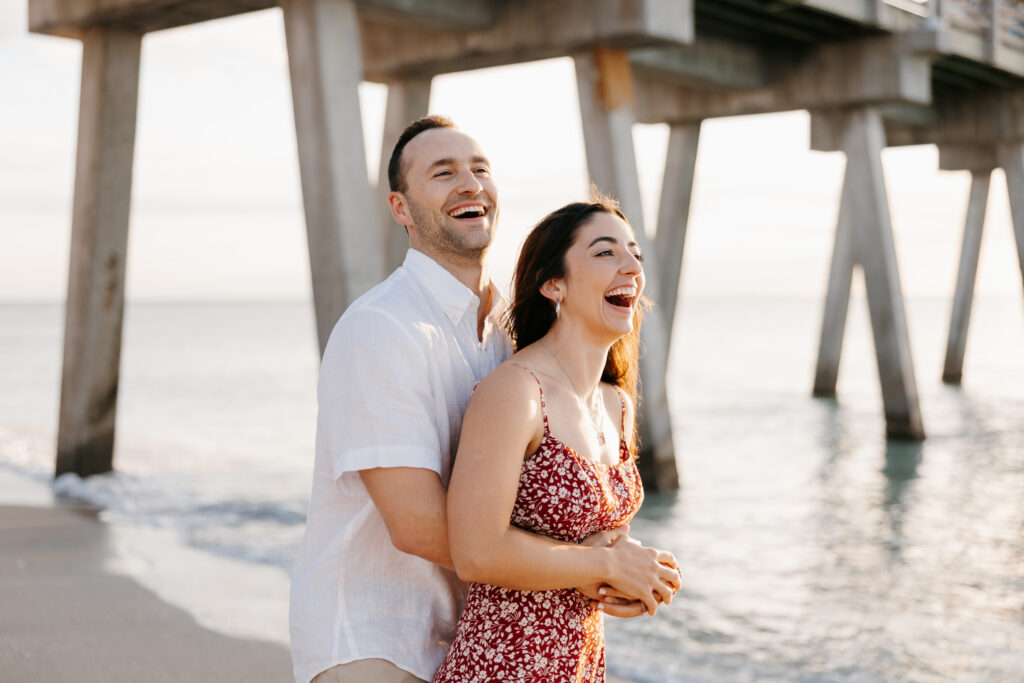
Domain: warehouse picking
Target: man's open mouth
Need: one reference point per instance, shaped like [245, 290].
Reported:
[469, 211]
[623, 297]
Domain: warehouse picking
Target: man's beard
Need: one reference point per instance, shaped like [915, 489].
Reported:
[434, 230]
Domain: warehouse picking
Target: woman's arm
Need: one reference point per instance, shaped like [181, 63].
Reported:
[501, 421]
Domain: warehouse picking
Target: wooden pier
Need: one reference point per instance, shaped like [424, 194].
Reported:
[873, 73]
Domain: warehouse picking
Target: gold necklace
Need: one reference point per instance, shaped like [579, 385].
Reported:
[599, 428]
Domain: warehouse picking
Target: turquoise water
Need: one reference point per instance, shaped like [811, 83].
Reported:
[812, 549]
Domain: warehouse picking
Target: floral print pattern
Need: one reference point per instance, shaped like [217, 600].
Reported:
[550, 636]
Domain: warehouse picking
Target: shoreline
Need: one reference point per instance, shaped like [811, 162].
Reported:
[90, 600]
[70, 614]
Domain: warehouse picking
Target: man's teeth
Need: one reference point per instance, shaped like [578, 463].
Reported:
[455, 213]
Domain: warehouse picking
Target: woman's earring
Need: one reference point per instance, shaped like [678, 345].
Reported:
[558, 307]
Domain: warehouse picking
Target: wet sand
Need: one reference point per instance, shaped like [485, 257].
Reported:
[66, 616]
[70, 609]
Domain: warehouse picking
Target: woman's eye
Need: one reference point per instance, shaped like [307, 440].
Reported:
[604, 252]
[639, 257]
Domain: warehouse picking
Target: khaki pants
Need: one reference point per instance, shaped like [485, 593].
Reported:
[366, 671]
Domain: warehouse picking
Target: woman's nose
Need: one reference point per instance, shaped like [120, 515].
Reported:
[631, 265]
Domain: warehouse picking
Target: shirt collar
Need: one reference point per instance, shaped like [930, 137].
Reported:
[456, 299]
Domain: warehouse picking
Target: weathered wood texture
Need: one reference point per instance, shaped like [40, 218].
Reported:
[837, 296]
[990, 116]
[604, 83]
[673, 215]
[875, 251]
[99, 242]
[1011, 158]
[963, 296]
[70, 17]
[407, 101]
[526, 30]
[883, 69]
[345, 254]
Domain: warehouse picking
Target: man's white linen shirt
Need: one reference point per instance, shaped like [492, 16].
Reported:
[396, 376]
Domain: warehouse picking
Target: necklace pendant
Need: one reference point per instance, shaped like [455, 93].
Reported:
[600, 438]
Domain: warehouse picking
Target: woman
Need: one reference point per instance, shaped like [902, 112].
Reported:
[547, 446]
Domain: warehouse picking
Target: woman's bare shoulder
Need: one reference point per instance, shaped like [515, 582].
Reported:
[505, 409]
[511, 376]
[510, 382]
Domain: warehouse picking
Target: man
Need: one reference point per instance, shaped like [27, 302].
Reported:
[374, 597]
[373, 594]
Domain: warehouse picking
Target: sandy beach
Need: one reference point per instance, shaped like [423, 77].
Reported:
[68, 615]
[88, 601]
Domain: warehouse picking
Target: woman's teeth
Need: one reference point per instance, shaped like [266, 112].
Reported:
[621, 296]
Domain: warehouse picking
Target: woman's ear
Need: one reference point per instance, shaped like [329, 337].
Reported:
[553, 289]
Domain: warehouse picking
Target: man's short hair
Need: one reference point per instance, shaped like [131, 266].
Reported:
[396, 174]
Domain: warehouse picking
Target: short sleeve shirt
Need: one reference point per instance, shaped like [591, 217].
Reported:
[397, 373]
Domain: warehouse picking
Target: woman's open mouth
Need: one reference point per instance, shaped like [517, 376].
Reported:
[621, 297]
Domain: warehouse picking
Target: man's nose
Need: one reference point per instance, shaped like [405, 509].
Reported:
[468, 183]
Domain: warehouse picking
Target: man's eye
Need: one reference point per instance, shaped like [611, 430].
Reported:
[483, 171]
[442, 173]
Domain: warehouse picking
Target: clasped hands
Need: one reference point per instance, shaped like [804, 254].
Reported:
[644, 577]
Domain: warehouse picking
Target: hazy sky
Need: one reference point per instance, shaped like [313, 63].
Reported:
[217, 211]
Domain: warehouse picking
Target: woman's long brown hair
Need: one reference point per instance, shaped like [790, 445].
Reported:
[532, 314]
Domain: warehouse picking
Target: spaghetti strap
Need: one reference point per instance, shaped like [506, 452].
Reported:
[622, 420]
[543, 403]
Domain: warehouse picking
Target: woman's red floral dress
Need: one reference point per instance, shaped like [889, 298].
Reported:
[555, 635]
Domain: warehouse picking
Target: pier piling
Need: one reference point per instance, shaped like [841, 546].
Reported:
[99, 248]
[408, 100]
[605, 84]
[963, 296]
[325, 62]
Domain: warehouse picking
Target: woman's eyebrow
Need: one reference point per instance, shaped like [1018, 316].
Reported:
[611, 240]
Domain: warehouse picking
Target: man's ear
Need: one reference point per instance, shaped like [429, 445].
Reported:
[400, 209]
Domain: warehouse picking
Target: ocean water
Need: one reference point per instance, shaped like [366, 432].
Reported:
[812, 549]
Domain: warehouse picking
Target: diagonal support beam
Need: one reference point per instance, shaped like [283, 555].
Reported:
[673, 215]
[963, 297]
[408, 100]
[325, 62]
[864, 237]
[99, 244]
[1011, 158]
[837, 299]
[604, 81]
[875, 249]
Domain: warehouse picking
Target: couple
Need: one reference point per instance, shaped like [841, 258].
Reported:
[534, 516]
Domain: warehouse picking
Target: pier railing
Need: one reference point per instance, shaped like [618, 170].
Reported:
[999, 22]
